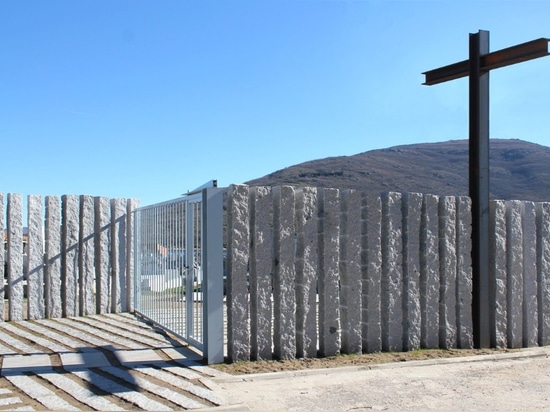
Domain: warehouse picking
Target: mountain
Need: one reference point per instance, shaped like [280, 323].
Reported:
[518, 170]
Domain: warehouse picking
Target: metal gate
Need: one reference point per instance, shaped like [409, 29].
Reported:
[178, 268]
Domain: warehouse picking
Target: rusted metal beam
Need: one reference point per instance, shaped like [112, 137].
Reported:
[500, 58]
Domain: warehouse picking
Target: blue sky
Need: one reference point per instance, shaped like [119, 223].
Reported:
[150, 99]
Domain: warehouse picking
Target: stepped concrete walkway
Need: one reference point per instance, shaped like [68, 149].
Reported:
[102, 362]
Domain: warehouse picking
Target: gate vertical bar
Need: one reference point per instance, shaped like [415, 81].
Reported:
[189, 258]
[212, 282]
[479, 185]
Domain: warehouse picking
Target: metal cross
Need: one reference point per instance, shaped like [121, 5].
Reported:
[477, 67]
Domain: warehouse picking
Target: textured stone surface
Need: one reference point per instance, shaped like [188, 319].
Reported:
[284, 273]
[52, 273]
[118, 256]
[530, 307]
[238, 241]
[329, 299]
[429, 272]
[515, 273]
[261, 272]
[69, 254]
[86, 259]
[392, 272]
[543, 271]
[448, 267]
[307, 261]
[498, 274]
[15, 256]
[35, 253]
[101, 243]
[350, 271]
[371, 262]
[131, 206]
[412, 212]
[465, 328]
[2, 227]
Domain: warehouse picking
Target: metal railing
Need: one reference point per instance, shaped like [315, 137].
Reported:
[178, 268]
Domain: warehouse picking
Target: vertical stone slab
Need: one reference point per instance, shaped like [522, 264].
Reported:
[284, 273]
[392, 272]
[465, 327]
[447, 270]
[515, 273]
[329, 298]
[15, 256]
[306, 272]
[412, 319]
[261, 266]
[371, 262]
[530, 307]
[238, 244]
[35, 256]
[131, 206]
[52, 272]
[118, 256]
[2, 258]
[498, 274]
[350, 271]
[69, 255]
[102, 226]
[543, 272]
[86, 256]
[429, 272]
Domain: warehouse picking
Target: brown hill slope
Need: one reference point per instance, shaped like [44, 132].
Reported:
[519, 170]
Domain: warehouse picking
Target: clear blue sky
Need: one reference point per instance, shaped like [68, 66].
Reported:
[150, 99]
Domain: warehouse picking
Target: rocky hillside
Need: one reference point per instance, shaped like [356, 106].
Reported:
[519, 170]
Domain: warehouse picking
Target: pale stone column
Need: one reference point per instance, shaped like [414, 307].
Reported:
[448, 267]
[371, 262]
[118, 256]
[69, 255]
[515, 273]
[465, 327]
[329, 297]
[131, 205]
[429, 272]
[261, 272]
[15, 256]
[350, 271]
[307, 260]
[87, 305]
[543, 272]
[2, 259]
[392, 272]
[102, 224]
[238, 242]
[35, 256]
[530, 287]
[498, 289]
[412, 319]
[52, 273]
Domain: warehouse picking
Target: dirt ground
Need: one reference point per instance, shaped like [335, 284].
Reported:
[262, 366]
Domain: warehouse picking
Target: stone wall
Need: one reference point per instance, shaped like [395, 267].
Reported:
[315, 271]
[74, 260]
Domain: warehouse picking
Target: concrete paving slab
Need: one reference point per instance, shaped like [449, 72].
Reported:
[85, 360]
[128, 357]
[22, 363]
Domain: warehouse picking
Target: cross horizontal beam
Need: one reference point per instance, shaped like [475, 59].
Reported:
[500, 58]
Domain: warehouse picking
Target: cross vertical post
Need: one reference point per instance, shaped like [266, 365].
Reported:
[479, 186]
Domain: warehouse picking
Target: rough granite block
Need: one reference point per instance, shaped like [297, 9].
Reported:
[465, 327]
[350, 271]
[87, 305]
[284, 273]
[306, 272]
[429, 272]
[515, 273]
[543, 272]
[238, 243]
[118, 256]
[35, 256]
[392, 272]
[15, 256]
[371, 261]
[447, 270]
[412, 213]
[69, 254]
[52, 273]
[530, 307]
[2, 261]
[261, 266]
[498, 274]
[329, 277]
[102, 228]
[131, 206]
